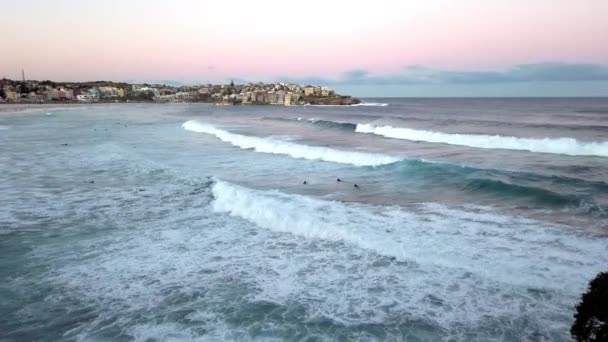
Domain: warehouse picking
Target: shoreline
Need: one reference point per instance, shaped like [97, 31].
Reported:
[20, 107]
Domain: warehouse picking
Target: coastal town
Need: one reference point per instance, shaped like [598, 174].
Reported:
[28, 91]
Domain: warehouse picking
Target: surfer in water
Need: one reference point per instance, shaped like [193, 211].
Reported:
[304, 182]
[356, 186]
[338, 180]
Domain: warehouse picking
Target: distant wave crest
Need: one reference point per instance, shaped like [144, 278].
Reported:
[370, 104]
[567, 146]
[274, 146]
[333, 124]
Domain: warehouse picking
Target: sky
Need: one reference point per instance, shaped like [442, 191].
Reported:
[364, 48]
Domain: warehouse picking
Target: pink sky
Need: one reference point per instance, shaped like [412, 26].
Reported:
[208, 41]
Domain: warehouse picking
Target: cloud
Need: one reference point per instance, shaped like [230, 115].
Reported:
[409, 75]
[356, 74]
[541, 72]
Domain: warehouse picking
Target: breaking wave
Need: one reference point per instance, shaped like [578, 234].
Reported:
[370, 104]
[362, 104]
[567, 146]
[274, 146]
[332, 124]
[477, 240]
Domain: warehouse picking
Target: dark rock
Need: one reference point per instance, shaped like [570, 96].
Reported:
[591, 317]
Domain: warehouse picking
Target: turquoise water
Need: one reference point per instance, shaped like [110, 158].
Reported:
[192, 222]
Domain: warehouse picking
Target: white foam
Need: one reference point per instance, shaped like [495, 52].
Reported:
[508, 249]
[195, 262]
[370, 104]
[567, 146]
[364, 104]
[274, 146]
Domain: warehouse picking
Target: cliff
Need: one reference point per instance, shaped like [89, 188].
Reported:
[332, 100]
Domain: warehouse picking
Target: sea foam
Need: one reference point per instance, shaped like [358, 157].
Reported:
[294, 150]
[370, 104]
[567, 146]
[491, 245]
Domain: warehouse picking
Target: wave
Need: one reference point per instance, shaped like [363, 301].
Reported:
[370, 104]
[362, 104]
[567, 146]
[299, 151]
[477, 240]
[552, 191]
[448, 122]
[332, 124]
[513, 190]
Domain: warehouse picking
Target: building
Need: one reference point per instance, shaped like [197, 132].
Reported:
[59, 94]
[86, 98]
[94, 93]
[167, 91]
[309, 90]
[166, 98]
[261, 97]
[35, 97]
[281, 95]
[246, 97]
[287, 99]
[88, 95]
[111, 92]
[10, 94]
[273, 98]
[186, 96]
[325, 91]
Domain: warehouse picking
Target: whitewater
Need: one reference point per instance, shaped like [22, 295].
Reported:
[274, 146]
[191, 222]
[414, 235]
[567, 146]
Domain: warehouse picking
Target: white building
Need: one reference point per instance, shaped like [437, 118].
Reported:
[186, 96]
[10, 95]
[86, 98]
[111, 92]
[59, 94]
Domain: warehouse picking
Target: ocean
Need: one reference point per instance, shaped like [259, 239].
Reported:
[471, 220]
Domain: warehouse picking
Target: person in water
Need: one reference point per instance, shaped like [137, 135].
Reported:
[356, 186]
[304, 183]
[338, 180]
